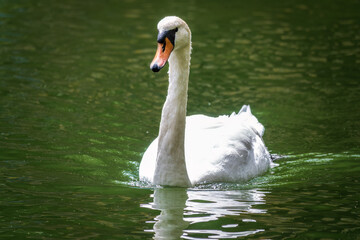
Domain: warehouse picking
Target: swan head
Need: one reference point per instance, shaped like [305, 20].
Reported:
[174, 35]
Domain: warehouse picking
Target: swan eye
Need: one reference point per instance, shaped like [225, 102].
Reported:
[163, 46]
[170, 34]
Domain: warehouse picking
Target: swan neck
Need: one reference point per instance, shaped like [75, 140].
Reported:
[170, 166]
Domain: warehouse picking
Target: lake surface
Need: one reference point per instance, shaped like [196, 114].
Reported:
[79, 106]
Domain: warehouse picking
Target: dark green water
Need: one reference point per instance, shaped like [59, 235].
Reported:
[79, 106]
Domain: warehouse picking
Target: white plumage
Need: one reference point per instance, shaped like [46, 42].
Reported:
[199, 149]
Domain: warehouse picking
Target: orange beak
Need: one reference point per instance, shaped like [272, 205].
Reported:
[162, 55]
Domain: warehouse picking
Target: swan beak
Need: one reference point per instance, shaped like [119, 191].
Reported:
[162, 55]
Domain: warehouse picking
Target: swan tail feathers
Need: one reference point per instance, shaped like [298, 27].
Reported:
[245, 108]
[254, 122]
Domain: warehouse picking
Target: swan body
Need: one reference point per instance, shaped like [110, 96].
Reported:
[198, 149]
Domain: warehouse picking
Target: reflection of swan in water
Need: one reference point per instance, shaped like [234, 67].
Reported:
[170, 222]
[181, 208]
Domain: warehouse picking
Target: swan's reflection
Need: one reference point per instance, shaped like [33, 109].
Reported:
[181, 207]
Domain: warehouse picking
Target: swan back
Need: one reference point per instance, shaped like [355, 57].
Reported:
[226, 148]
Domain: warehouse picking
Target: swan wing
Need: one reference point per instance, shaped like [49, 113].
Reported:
[226, 148]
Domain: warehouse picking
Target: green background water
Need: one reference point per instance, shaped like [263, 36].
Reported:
[79, 106]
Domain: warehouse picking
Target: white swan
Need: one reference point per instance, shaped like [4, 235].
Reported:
[222, 149]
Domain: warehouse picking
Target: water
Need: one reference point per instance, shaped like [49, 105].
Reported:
[79, 106]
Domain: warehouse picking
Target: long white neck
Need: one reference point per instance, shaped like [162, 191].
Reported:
[170, 167]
